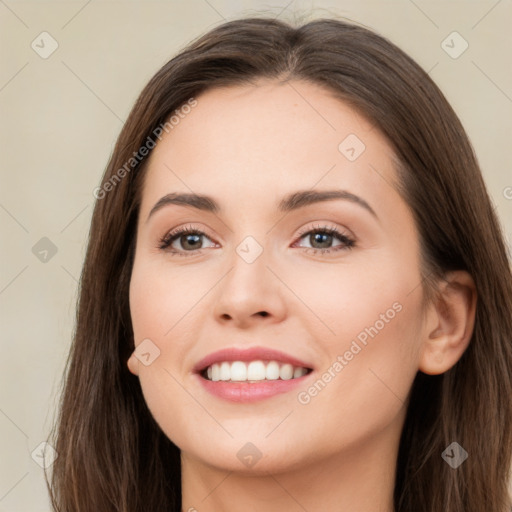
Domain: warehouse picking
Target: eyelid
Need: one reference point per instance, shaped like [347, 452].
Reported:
[341, 233]
[189, 228]
[326, 226]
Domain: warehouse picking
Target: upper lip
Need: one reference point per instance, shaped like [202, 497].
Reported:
[248, 354]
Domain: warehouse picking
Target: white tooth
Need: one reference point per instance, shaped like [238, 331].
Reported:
[253, 371]
[286, 372]
[272, 371]
[225, 371]
[215, 372]
[256, 370]
[299, 372]
[238, 371]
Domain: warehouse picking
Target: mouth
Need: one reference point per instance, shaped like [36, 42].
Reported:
[250, 374]
[253, 371]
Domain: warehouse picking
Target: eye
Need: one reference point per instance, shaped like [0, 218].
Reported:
[188, 237]
[322, 239]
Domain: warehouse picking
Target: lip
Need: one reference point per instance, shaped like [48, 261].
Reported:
[242, 392]
[248, 354]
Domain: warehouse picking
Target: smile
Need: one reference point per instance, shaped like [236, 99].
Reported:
[253, 371]
[250, 374]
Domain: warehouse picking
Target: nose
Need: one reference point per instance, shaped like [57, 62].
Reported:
[250, 293]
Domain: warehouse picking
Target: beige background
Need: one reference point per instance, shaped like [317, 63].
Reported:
[59, 120]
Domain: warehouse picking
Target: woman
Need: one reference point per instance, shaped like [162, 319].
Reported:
[296, 293]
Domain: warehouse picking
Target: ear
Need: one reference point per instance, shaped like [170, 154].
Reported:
[133, 364]
[450, 323]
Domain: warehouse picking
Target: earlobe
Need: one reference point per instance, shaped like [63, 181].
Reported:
[133, 364]
[450, 323]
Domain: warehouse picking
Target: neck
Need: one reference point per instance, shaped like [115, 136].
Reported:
[360, 479]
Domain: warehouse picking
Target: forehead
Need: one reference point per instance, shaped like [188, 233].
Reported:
[264, 140]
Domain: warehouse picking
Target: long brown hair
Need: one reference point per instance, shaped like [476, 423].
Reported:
[111, 453]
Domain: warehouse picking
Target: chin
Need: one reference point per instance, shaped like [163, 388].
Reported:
[248, 458]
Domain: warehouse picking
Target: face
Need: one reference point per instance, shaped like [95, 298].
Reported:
[285, 281]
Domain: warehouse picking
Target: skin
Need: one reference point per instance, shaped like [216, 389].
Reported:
[247, 147]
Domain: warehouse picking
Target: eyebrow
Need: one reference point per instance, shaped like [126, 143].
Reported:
[291, 202]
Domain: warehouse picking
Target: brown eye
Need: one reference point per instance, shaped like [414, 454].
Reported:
[324, 239]
[183, 240]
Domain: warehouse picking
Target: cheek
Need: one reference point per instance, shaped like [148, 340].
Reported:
[158, 305]
[371, 360]
[162, 301]
[370, 334]
[341, 301]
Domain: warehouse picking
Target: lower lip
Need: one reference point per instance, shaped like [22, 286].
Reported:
[242, 392]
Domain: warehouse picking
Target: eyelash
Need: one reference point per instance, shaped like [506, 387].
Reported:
[347, 242]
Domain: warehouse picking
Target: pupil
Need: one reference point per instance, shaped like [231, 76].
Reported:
[187, 238]
[318, 236]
